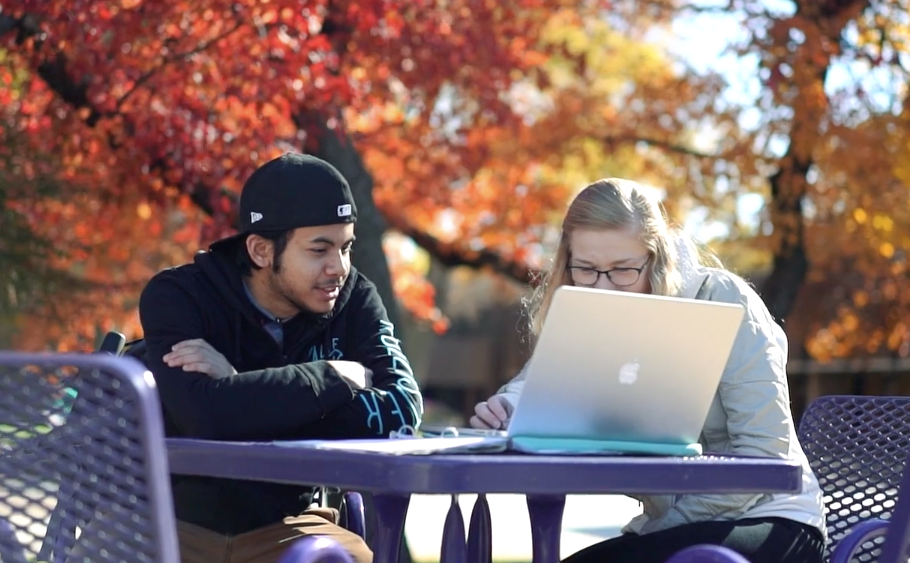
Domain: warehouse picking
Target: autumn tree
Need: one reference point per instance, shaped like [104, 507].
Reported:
[27, 277]
[837, 203]
[38, 236]
[169, 113]
[610, 104]
[836, 223]
[477, 119]
[177, 98]
[73, 254]
[828, 149]
[467, 126]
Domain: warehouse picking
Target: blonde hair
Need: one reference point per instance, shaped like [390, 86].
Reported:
[616, 204]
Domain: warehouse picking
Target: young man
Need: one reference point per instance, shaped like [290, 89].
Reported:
[272, 334]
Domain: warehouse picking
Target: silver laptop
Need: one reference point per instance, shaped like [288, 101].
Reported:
[624, 367]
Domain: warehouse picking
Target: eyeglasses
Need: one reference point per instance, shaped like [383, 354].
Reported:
[619, 277]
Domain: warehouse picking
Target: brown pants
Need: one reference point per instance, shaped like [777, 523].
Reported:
[268, 544]
[265, 545]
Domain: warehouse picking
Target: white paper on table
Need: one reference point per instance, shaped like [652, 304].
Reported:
[407, 446]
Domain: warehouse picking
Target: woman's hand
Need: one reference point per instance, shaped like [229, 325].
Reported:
[492, 414]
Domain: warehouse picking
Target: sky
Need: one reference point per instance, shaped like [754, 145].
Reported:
[701, 41]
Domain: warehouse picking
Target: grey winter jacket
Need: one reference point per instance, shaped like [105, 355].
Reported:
[750, 415]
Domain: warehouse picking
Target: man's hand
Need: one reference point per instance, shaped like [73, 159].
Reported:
[493, 413]
[199, 356]
[355, 374]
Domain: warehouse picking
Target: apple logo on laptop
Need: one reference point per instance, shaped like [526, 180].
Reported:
[628, 373]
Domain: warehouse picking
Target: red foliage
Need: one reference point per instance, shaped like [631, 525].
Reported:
[159, 104]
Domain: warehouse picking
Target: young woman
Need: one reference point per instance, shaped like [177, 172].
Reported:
[615, 236]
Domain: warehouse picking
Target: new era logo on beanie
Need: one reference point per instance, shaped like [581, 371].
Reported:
[292, 191]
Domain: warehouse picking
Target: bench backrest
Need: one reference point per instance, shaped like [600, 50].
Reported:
[857, 446]
[101, 460]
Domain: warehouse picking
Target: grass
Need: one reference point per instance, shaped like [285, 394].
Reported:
[10, 434]
[20, 433]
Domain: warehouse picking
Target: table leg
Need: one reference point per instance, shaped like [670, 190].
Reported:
[391, 511]
[545, 512]
[480, 534]
[453, 545]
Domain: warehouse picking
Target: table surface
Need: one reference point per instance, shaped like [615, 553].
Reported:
[482, 473]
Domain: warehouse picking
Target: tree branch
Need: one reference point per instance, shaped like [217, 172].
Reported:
[446, 254]
[451, 255]
[202, 46]
[658, 143]
[58, 79]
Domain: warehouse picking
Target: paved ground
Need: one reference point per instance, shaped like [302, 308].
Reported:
[587, 520]
[27, 516]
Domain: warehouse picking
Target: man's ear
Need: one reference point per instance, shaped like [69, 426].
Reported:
[261, 250]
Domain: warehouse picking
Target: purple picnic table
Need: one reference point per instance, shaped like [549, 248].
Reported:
[544, 479]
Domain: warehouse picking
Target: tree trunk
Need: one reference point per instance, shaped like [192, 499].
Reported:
[788, 187]
[336, 147]
[804, 92]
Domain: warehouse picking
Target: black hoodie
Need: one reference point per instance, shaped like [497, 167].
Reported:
[288, 393]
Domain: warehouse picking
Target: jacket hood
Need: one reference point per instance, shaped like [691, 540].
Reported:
[692, 272]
